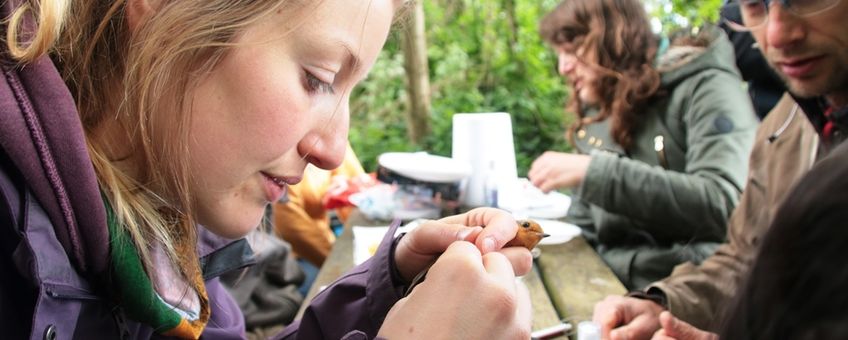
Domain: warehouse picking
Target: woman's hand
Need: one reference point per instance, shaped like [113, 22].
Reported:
[557, 170]
[467, 295]
[489, 229]
[471, 291]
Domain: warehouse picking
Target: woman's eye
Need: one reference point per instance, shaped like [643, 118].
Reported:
[317, 85]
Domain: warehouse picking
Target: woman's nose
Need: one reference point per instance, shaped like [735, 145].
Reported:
[566, 63]
[325, 146]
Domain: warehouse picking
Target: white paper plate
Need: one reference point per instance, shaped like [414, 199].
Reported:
[525, 200]
[560, 232]
[553, 205]
[425, 167]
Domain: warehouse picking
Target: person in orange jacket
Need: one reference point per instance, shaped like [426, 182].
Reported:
[303, 220]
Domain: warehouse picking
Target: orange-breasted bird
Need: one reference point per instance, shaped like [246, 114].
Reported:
[528, 236]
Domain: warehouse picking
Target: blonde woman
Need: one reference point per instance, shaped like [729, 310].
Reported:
[139, 136]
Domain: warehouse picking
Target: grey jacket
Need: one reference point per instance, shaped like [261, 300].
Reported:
[667, 199]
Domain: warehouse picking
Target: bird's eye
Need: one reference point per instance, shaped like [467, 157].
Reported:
[525, 224]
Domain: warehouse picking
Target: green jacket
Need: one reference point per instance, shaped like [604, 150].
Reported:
[667, 199]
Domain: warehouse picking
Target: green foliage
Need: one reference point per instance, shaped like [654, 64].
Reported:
[684, 14]
[698, 12]
[479, 62]
[484, 56]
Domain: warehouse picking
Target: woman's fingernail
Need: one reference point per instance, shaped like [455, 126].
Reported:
[488, 245]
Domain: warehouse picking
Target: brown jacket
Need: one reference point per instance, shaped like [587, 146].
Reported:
[698, 293]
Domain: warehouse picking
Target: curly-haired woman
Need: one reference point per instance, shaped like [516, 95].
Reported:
[662, 132]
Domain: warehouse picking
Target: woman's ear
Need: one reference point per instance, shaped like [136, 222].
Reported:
[137, 12]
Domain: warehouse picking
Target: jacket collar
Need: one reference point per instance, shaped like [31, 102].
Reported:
[41, 132]
[219, 255]
[814, 108]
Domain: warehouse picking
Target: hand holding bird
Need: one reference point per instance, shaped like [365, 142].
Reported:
[469, 280]
[529, 234]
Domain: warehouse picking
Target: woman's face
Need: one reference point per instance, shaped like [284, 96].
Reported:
[278, 101]
[581, 76]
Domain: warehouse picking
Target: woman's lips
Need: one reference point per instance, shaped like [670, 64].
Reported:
[275, 187]
[799, 68]
[577, 85]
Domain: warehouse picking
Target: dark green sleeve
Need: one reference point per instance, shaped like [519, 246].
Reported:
[580, 214]
[720, 126]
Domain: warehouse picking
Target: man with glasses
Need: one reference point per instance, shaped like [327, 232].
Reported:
[806, 43]
[764, 86]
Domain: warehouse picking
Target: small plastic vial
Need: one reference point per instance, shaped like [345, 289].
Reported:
[490, 187]
[588, 330]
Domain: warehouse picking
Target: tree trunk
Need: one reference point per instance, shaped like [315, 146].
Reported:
[514, 38]
[414, 44]
[512, 21]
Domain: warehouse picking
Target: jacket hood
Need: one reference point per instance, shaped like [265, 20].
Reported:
[41, 132]
[682, 61]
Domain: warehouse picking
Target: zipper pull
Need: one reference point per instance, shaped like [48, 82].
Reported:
[659, 147]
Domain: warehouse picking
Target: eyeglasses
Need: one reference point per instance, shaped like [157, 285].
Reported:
[754, 13]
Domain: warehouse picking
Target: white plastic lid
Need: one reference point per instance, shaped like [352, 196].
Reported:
[425, 167]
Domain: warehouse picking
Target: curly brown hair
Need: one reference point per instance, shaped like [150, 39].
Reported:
[614, 38]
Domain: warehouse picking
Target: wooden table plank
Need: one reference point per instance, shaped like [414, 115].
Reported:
[544, 313]
[576, 278]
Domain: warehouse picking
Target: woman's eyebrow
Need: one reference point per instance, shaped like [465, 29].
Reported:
[337, 47]
[352, 59]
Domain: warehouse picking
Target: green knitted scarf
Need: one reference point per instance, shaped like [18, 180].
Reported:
[134, 291]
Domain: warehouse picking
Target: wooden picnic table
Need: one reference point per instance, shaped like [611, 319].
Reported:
[566, 281]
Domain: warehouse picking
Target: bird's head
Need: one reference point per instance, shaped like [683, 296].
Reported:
[529, 234]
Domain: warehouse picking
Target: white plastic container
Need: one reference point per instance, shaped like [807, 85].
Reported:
[485, 141]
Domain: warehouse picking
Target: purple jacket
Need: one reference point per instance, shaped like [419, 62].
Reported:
[53, 235]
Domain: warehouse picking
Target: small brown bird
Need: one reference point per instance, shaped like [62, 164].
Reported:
[528, 236]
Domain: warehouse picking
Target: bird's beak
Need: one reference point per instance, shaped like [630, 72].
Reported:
[545, 235]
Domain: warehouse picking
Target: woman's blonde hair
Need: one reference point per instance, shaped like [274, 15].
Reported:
[49, 16]
[153, 69]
